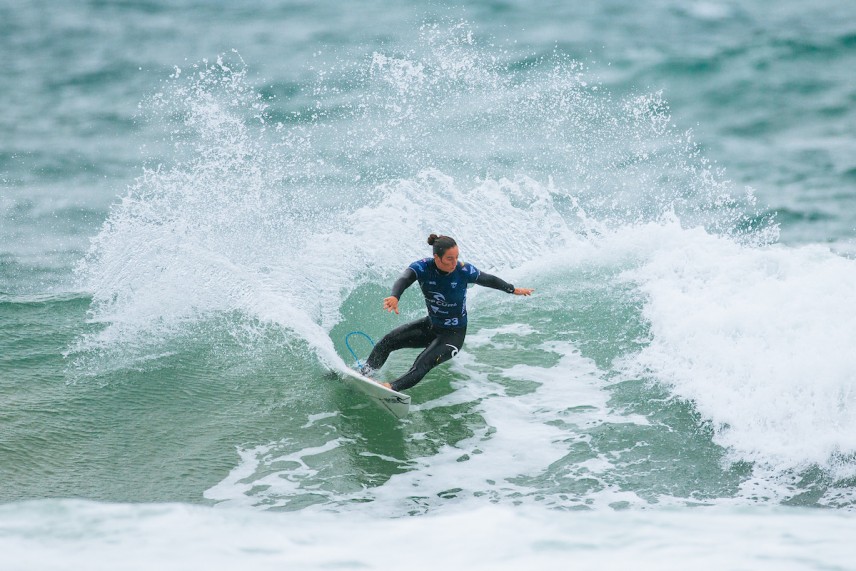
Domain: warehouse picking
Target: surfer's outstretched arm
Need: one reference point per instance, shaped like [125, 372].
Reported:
[491, 281]
[404, 281]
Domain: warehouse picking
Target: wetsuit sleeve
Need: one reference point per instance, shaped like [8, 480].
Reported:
[494, 282]
[404, 281]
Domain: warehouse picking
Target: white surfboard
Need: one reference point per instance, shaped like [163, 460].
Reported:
[395, 402]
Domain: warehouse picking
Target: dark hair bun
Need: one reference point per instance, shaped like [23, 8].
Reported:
[441, 243]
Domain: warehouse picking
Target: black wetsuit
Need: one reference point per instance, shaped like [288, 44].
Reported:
[442, 332]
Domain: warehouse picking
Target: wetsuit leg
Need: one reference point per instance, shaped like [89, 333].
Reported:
[445, 345]
[413, 335]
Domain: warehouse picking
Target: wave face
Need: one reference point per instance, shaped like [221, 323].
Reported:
[658, 281]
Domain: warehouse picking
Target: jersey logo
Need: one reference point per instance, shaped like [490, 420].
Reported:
[438, 301]
[438, 298]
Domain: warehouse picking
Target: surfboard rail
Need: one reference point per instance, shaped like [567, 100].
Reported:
[396, 403]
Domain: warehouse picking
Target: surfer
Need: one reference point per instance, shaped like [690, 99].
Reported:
[444, 282]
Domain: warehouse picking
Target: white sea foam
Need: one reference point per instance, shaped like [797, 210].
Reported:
[72, 534]
[522, 436]
[755, 337]
[758, 339]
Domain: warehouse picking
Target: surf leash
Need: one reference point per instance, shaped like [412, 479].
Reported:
[348, 345]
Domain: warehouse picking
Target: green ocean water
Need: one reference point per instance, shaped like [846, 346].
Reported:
[198, 201]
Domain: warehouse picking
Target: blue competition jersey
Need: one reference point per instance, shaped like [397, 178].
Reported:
[445, 294]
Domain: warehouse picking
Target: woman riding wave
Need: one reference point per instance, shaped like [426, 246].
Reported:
[444, 282]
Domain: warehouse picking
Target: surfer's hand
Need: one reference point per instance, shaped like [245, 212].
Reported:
[523, 291]
[391, 304]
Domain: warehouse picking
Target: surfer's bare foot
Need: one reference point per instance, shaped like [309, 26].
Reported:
[387, 385]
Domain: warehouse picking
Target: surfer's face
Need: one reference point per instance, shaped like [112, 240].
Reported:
[449, 260]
